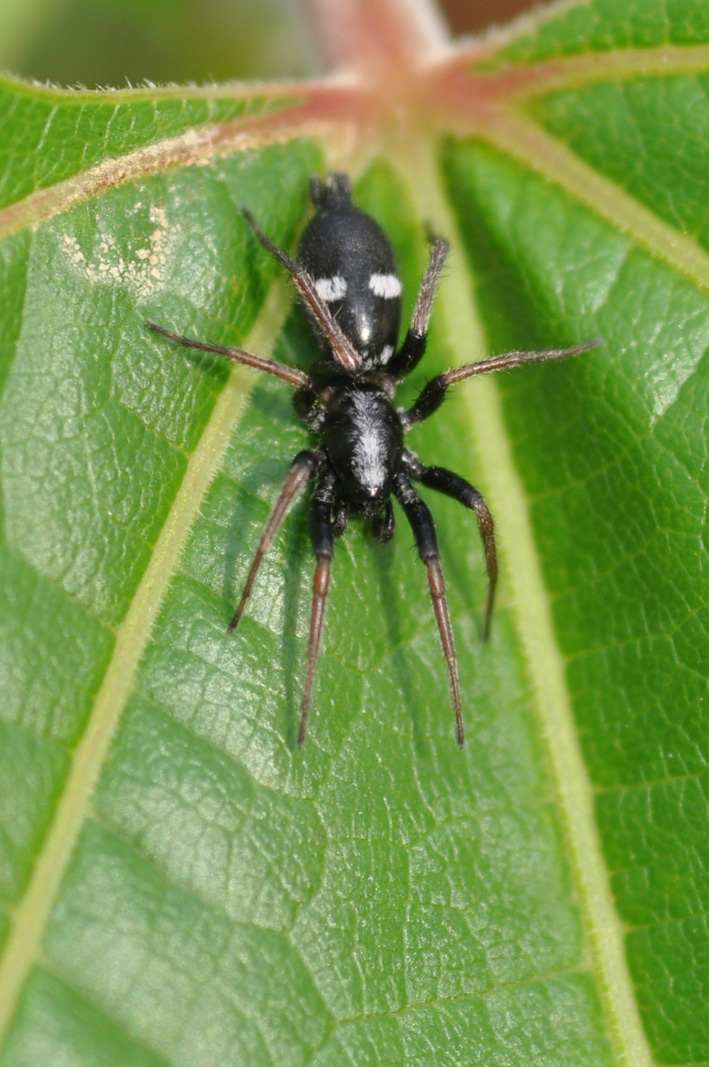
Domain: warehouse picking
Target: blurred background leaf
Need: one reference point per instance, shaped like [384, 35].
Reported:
[114, 42]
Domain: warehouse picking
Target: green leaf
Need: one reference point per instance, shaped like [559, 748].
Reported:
[178, 883]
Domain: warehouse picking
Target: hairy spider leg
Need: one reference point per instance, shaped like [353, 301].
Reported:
[384, 524]
[459, 489]
[303, 469]
[238, 355]
[433, 394]
[414, 346]
[421, 522]
[342, 348]
[323, 541]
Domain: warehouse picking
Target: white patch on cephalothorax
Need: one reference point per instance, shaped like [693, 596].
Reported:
[369, 452]
[331, 288]
[387, 286]
[143, 274]
[385, 355]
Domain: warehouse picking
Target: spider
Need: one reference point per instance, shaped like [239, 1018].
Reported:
[346, 278]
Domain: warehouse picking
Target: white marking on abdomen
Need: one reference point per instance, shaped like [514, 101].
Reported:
[385, 285]
[331, 288]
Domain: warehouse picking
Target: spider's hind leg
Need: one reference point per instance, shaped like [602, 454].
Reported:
[414, 346]
[315, 306]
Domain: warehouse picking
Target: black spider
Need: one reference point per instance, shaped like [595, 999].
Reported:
[346, 277]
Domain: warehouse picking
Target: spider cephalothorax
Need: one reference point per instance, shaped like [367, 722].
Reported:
[346, 277]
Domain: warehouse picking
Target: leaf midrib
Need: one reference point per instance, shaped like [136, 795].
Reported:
[455, 309]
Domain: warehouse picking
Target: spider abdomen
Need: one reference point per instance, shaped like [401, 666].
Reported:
[364, 440]
[354, 269]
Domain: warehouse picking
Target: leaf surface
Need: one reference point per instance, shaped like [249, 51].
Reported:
[178, 883]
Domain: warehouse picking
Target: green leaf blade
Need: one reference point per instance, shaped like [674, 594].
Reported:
[602, 522]
[601, 26]
[201, 779]
[378, 897]
[89, 131]
[655, 147]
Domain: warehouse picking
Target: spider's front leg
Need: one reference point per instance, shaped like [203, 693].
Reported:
[459, 489]
[323, 540]
[303, 469]
[424, 533]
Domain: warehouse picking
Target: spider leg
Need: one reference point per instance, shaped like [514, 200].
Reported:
[303, 468]
[459, 489]
[414, 346]
[341, 514]
[342, 348]
[280, 370]
[433, 394]
[323, 539]
[383, 524]
[424, 533]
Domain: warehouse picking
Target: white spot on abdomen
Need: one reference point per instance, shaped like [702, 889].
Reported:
[331, 288]
[385, 285]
